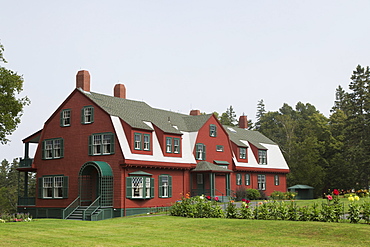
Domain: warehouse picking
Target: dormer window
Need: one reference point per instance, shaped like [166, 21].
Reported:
[212, 130]
[176, 145]
[137, 141]
[242, 153]
[146, 142]
[168, 145]
[87, 115]
[262, 157]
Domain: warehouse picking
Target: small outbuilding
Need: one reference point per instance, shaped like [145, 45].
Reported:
[303, 191]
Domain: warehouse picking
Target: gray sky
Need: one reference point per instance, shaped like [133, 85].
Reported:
[183, 55]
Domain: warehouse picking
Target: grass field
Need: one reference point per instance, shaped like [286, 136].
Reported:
[177, 231]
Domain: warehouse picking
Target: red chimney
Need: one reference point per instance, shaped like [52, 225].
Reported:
[243, 122]
[83, 80]
[194, 113]
[120, 91]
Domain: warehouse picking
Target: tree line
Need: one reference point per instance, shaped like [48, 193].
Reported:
[324, 152]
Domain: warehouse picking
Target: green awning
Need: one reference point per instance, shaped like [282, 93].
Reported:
[221, 162]
[103, 167]
[140, 173]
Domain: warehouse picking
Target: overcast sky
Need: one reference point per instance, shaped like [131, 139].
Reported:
[182, 55]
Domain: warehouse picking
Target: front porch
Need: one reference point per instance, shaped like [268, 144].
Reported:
[211, 180]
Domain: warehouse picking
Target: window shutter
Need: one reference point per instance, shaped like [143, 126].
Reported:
[112, 143]
[82, 115]
[204, 152]
[40, 187]
[92, 114]
[160, 186]
[90, 145]
[169, 186]
[43, 150]
[129, 187]
[65, 187]
[151, 187]
[215, 130]
[61, 147]
[61, 118]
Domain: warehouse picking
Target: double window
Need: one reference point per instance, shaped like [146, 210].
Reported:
[165, 186]
[262, 157]
[173, 145]
[53, 148]
[65, 118]
[212, 130]
[101, 144]
[139, 187]
[261, 181]
[141, 141]
[55, 186]
[200, 151]
[242, 153]
[87, 115]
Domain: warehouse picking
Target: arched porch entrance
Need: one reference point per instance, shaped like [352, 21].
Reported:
[96, 182]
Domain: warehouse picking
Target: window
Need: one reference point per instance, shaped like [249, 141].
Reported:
[219, 148]
[53, 187]
[176, 145]
[168, 145]
[137, 141]
[165, 186]
[65, 118]
[277, 180]
[146, 142]
[53, 148]
[139, 187]
[262, 157]
[242, 153]
[200, 152]
[238, 179]
[247, 179]
[261, 181]
[87, 115]
[212, 130]
[101, 144]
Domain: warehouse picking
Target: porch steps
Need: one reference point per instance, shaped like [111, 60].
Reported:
[78, 213]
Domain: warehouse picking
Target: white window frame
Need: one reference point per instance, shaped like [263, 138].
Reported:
[261, 181]
[88, 112]
[168, 144]
[247, 179]
[146, 142]
[47, 187]
[176, 145]
[137, 141]
[262, 157]
[238, 179]
[137, 187]
[243, 153]
[66, 117]
[277, 180]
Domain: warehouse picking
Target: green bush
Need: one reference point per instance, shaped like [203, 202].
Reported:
[241, 193]
[253, 194]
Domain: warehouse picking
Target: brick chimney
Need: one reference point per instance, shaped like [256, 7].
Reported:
[120, 91]
[194, 113]
[83, 80]
[243, 122]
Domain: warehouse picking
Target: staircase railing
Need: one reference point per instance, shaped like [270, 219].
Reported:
[93, 207]
[71, 208]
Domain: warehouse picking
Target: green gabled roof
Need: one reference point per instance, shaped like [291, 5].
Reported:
[135, 113]
[204, 166]
[254, 137]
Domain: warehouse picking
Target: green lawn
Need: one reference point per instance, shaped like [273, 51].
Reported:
[171, 231]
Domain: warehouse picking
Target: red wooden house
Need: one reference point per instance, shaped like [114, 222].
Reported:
[102, 156]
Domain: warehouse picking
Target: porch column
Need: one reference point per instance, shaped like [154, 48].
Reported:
[26, 150]
[25, 184]
[212, 184]
[228, 184]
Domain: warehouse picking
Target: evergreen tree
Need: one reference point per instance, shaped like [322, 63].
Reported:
[260, 112]
[228, 117]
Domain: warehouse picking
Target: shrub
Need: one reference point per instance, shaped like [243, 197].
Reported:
[253, 194]
[241, 193]
[231, 210]
[277, 195]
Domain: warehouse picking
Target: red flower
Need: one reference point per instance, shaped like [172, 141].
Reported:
[247, 201]
[336, 192]
[216, 198]
[330, 197]
[208, 197]
[243, 200]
